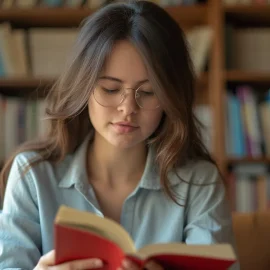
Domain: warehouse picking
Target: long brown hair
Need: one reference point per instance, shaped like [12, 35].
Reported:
[162, 45]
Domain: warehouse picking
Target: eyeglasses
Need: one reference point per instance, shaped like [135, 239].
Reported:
[144, 96]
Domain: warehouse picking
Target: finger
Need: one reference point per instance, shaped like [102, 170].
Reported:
[48, 259]
[129, 265]
[79, 265]
[151, 265]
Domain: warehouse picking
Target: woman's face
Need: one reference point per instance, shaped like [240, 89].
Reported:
[124, 124]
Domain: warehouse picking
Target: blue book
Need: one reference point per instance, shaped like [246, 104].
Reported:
[237, 147]
[53, 3]
[267, 97]
[2, 67]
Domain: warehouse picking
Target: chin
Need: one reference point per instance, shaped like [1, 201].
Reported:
[125, 144]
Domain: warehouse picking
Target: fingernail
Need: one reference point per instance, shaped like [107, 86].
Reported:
[97, 263]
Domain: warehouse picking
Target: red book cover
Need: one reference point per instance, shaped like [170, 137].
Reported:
[75, 243]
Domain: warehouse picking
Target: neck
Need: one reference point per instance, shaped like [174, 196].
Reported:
[113, 165]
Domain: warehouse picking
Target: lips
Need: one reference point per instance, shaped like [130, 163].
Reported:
[124, 127]
[127, 124]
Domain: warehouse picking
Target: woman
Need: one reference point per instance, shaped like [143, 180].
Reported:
[123, 143]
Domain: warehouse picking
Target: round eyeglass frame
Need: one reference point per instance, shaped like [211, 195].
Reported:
[123, 98]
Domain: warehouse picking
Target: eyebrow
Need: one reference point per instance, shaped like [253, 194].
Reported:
[118, 80]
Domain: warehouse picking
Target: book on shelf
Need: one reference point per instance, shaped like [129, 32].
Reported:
[249, 188]
[20, 120]
[49, 50]
[247, 48]
[80, 235]
[13, 59]
[38, 52]
[247, 127]
[199, 39]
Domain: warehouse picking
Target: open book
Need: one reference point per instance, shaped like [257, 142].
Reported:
[80, 235]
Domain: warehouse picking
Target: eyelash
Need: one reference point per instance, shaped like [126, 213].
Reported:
[117, 90]
[109, 90]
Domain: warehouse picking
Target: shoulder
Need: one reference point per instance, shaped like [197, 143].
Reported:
[21, 165]
[29, 180]
[199, 172]
[197, 180]
[26, 158]
[202, 187]
[20, 178]
[31, 166]
[28, 162]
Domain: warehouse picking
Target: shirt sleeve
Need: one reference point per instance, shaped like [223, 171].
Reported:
[20, 237]
[208, 215]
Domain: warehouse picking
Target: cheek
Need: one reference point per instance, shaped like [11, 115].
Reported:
[91, 109]
[153, 120]
[95, 112]
[98, 114]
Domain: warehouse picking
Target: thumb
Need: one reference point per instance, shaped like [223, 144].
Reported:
[48, 259]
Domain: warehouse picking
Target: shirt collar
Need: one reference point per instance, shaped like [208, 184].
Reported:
[150, 178]
[77, 173]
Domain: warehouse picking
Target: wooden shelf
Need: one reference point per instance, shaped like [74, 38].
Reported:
[248, 15]
[189, 15]
[72, 17]
[234, 161]
[41, 83]
[25, 87]
[247, 76]
[41, 17]
[25, 83]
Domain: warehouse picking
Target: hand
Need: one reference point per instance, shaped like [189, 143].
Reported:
[129, 265]
[47, 262]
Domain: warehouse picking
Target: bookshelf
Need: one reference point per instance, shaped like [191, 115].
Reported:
[248, 15]
[17, 83]
[244, 16]
[247, 77]
[211, 85]
[43, 82]
[248, 160]
[71, 17]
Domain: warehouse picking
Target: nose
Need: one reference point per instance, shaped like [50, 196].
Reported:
[129, 104]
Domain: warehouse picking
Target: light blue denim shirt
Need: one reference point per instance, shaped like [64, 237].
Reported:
[32, 200]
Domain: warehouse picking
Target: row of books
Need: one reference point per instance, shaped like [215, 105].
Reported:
[43, 52]
[247, 48]
[38, 52]
[20, 120]
[93, 4]
[248, 126]
[247, 122]
[249, 188]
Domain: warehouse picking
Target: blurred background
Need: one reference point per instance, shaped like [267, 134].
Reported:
[229, 43]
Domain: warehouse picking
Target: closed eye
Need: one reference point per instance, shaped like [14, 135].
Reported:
[110, 91]
[146, 93]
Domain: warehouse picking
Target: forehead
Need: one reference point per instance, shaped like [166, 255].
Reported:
[125, 63]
